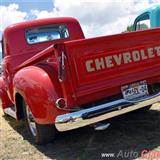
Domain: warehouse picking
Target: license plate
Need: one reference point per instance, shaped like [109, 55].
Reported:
[135, 90]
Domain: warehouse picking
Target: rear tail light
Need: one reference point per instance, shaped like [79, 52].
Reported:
[61, 103]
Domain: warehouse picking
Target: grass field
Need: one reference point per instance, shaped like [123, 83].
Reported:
[131, 133]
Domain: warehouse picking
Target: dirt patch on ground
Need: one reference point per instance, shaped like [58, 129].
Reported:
[128, 134]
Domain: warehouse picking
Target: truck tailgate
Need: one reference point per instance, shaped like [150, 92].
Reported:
[100, 66]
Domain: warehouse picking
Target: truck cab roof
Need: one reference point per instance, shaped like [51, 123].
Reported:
[152, 9]
[39, 22]
[15, 34]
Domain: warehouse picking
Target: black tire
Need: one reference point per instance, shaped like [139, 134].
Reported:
[42, 134]
[45, 134]
[142, 110]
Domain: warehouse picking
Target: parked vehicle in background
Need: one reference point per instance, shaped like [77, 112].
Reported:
[149, 18]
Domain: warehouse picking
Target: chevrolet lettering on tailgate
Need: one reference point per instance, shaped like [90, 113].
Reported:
[122, 58]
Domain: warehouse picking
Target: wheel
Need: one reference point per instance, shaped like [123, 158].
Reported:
[41, 134]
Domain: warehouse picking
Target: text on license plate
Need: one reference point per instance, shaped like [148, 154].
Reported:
[135, 90]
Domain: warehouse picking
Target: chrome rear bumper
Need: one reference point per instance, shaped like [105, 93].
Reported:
[102, 112]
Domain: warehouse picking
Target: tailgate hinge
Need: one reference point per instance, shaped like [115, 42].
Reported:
[61, 69]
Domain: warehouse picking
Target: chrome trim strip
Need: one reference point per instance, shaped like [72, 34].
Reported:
[10, 112]
[74, 120]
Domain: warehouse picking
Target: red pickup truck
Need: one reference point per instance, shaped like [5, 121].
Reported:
[56, 80]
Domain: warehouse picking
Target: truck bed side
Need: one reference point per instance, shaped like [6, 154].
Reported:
[97, 68]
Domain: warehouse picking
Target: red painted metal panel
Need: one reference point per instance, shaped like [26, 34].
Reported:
[98, 83]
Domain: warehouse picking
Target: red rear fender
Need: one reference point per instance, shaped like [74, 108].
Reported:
[4, 99]
[40, 89]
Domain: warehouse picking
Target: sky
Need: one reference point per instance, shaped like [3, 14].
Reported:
[97, 17]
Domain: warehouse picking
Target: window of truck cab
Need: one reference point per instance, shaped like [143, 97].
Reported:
[46, 33]
[142, 22]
